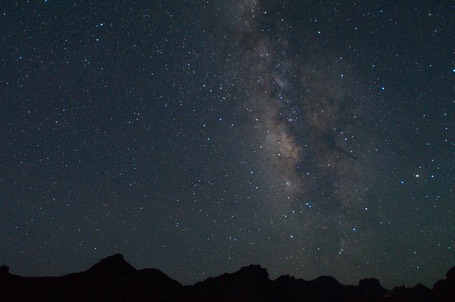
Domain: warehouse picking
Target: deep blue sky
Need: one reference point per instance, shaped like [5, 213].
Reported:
[311, 137]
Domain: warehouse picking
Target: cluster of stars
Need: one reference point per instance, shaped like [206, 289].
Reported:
[312, 138]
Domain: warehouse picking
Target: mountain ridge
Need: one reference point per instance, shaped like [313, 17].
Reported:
[114, 279]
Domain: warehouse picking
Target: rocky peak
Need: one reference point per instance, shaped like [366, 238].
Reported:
[115, 264]
[253, 272]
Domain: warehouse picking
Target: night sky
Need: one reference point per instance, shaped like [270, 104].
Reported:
[196, 137]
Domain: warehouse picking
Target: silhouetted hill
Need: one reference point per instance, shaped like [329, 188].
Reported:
[114, 279]
[250, 283]
[112, 265]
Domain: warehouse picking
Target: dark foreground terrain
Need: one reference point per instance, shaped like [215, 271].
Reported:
[114, 279]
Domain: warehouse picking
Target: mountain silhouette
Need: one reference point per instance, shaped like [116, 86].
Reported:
[112, 265]
[114, 279]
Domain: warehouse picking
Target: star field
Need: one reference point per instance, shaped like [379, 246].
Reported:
[311, 137]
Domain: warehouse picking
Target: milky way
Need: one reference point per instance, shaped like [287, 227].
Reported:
[311, 126]
[311, 137]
